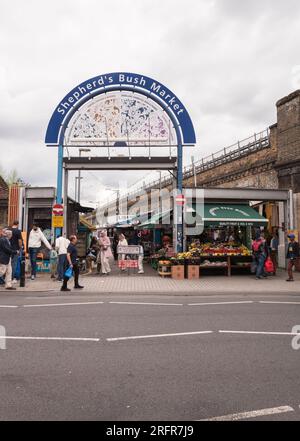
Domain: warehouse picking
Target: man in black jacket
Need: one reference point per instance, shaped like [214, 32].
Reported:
[292, 255]
[6, 253]
[73, 263]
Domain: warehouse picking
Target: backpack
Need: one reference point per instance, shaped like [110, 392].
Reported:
[256, 245]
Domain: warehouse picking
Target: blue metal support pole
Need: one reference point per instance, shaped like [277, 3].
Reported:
[179, 208]
[59, 189]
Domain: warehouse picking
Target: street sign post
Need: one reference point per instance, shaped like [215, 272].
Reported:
[57, 216]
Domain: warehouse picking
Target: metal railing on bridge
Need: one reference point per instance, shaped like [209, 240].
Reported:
[240, 149]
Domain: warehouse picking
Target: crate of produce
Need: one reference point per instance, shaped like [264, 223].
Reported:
[164, 268]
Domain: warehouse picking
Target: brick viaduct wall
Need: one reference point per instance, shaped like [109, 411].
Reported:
[275, 167]
[255, 170]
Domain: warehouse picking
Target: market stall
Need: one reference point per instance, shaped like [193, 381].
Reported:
[224, 244]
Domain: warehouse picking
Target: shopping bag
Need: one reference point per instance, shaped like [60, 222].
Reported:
[269, 265]
[69, 272]
[17, 273]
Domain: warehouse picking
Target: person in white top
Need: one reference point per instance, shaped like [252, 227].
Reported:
[61, 246]
[122, 242]
[36, 237]
[140, 259]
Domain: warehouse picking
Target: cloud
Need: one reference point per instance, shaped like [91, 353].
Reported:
[228, 61]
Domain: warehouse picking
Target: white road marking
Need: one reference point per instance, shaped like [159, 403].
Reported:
[15, 337]
[259, 332]
[9, 306]
[62, 304]
[135, 337]
[252, 414]
[279, 303]
[219, 303]
[148, 303]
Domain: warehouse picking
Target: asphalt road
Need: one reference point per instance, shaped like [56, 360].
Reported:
[113, 358]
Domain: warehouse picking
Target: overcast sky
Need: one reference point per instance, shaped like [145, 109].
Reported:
[228, 61]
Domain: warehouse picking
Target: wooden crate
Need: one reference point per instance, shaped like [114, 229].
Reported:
[178, 272]
[193, 272]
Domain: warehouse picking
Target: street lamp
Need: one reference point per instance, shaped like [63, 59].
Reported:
[79, 176]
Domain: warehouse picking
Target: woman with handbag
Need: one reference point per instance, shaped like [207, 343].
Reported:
[105, 252]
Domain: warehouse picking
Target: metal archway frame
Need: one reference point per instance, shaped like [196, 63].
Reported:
[183, 128]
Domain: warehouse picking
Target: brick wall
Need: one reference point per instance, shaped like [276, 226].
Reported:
[288, 117]
[255, 170]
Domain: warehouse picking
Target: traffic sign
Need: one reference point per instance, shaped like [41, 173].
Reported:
[57, 221]
[58, 210]
[180, 199]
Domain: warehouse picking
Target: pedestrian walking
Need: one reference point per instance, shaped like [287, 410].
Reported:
[16, 242]
[72, 261]
[292, 256]
[61, 246]
[6, 253]
[140, 259]
[92, 254]
[105, 252]
[274, 251]
[122, 242]
[36, 237]
[260, 253]
[115, 246]
[53, 262]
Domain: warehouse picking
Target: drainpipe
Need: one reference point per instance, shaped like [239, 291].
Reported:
[291, 210]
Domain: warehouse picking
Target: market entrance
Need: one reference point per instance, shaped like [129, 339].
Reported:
[123, 112]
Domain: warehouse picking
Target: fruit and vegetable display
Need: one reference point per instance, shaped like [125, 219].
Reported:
[197, 250]
[204, 255]
[164, 262]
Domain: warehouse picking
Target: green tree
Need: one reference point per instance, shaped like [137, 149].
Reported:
[11, 177]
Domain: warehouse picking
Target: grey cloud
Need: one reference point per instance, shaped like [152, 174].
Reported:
[228, 61]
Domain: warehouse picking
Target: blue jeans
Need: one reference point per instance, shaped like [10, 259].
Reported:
[62, 265]
[260, 265]
[32, 254]
[14, 261]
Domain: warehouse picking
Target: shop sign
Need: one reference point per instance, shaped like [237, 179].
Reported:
[119, 81]
[127, 264]
[231, 224]
[128, 249]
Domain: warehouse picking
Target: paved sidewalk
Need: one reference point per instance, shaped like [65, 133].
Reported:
[242, 284]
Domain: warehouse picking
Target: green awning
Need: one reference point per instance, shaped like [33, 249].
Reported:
[231, 215]
[156, 220]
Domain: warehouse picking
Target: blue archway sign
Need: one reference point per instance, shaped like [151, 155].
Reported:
[144, 85]
[119, 81]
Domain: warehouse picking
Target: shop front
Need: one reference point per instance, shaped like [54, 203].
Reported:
[228, 221]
